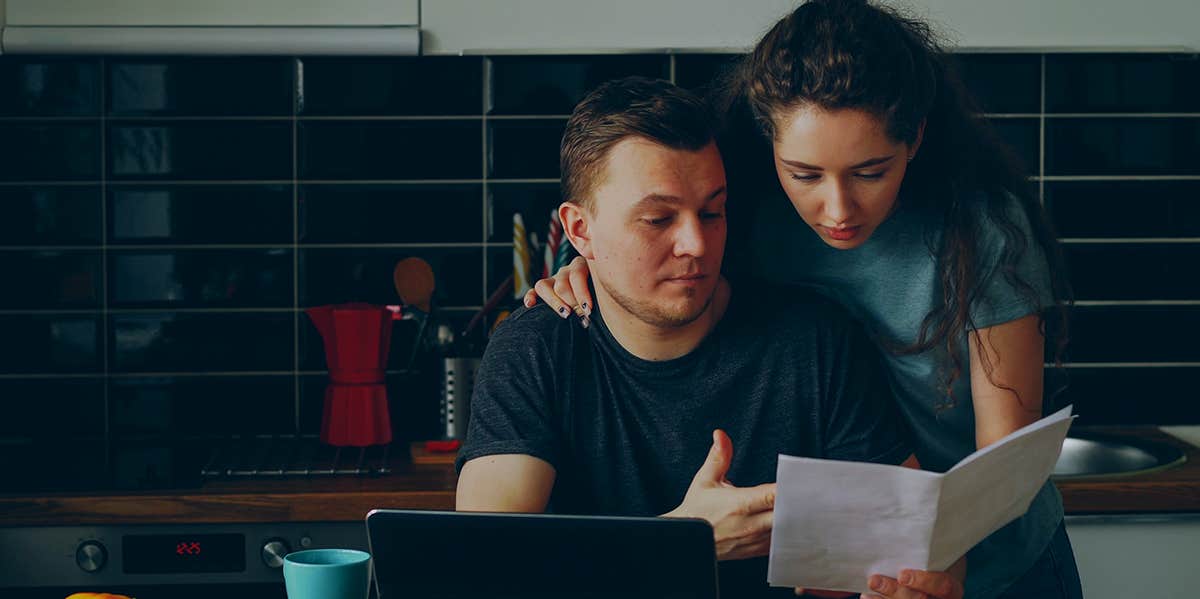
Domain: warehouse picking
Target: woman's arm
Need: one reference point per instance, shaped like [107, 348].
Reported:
[1006, 377]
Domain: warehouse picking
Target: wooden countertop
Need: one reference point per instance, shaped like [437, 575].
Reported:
[429, 482]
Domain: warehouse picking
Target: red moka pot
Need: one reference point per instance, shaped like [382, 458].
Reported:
[357, 338]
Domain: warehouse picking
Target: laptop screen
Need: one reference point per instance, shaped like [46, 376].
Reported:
[456, 555]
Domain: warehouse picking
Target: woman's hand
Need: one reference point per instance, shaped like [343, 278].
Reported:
[566, 292]
[916, 584]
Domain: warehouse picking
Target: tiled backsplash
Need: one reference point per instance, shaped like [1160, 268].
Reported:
[164, 221]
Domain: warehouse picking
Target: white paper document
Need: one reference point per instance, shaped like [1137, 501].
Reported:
[837, 523]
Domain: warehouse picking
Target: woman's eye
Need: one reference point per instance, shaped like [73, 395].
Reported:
[805, 177]
[712, 215]
[870, 176]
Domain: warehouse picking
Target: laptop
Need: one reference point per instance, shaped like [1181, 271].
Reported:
[456, 555]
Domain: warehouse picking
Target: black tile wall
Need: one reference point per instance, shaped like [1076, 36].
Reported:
[49, 151]
[199, 214]
[364, 150]
[1124, 209]
[191, 343]
[202, 150]
[525, 149]
[169, 219]
[54, 279]
[552, 85]
[1142, 83]
[1122, 146]
[50, 87]
[1003, 83]
[392, 86]
[445, 213]
[200, 87]
[50, 215]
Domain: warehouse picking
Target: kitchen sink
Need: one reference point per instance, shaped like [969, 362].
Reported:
[1096, 455]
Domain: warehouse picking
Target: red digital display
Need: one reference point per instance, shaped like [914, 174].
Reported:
[172, 554]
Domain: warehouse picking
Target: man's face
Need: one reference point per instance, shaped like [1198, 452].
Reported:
[657, 230]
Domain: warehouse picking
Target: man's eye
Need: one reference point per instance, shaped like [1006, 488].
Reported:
[712, 215]
[657, 222]
[870, 176]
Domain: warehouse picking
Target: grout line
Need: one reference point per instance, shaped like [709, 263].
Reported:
[490, 181]
[171, 310]
[244, 246]
[1128, 365]
[1124, 303]
[486, 97]
[277, 182]
[1127, 240]
[297, 86]
[1042, 137]
[104, 252]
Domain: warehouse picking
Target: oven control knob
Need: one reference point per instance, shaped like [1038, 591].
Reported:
[91, 556]
[273, 552]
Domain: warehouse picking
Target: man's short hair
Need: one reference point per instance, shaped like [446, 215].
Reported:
[654, 109]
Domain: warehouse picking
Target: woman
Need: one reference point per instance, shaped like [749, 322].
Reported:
[919, 223]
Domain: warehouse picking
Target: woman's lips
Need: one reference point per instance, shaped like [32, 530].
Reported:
[844, 233]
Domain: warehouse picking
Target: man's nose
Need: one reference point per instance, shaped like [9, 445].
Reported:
[689, 237]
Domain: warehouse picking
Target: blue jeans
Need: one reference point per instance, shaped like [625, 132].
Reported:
[1053, 576]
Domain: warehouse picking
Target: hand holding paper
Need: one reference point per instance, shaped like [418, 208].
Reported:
[837, 523]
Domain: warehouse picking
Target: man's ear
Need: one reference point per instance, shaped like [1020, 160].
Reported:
[575, 222]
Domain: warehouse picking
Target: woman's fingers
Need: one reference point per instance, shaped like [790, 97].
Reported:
[938, 585]
[578, 278]
[545, 290]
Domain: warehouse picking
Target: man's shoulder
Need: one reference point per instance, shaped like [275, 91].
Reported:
[534, 329]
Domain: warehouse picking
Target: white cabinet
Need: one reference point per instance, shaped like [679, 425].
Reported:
[281, 27]
[215, 13]
[454, 26]
[1136, 556]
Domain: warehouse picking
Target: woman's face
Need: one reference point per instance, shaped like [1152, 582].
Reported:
[840, 170]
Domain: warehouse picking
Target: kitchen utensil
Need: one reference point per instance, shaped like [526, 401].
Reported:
[497, 296]
[413, 278]
[415, 284]
[357, 338]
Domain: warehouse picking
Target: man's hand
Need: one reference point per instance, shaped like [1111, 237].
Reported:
[741, 517]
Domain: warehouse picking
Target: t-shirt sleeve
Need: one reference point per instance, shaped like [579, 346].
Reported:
[512, 409]
[1001, 299]
[861, 418]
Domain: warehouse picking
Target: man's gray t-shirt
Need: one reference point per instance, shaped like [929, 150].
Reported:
[626, 435]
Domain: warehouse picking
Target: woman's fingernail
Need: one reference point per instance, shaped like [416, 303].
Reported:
[586, 309]
[563, 311]
[906, 578]
[585, 321]
[875, 583]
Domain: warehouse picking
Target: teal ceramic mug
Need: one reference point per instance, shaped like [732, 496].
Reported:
[327, 574]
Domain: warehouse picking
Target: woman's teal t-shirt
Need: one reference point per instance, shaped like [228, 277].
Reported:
[890, 284]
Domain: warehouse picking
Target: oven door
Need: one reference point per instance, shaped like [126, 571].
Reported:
[158, 560]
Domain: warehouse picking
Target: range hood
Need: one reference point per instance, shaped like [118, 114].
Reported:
[238, 40]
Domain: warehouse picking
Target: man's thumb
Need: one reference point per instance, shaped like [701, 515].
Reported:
[716, 465]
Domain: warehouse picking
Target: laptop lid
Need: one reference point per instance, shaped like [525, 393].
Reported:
[455, 555]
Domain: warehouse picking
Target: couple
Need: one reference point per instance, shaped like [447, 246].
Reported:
[885, 194]
[680, 394]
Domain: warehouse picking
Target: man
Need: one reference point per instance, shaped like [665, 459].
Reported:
[616, 418]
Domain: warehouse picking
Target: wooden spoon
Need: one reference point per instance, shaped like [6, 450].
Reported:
[414, 282]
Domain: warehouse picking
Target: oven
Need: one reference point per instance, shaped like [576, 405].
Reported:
[158, 560]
